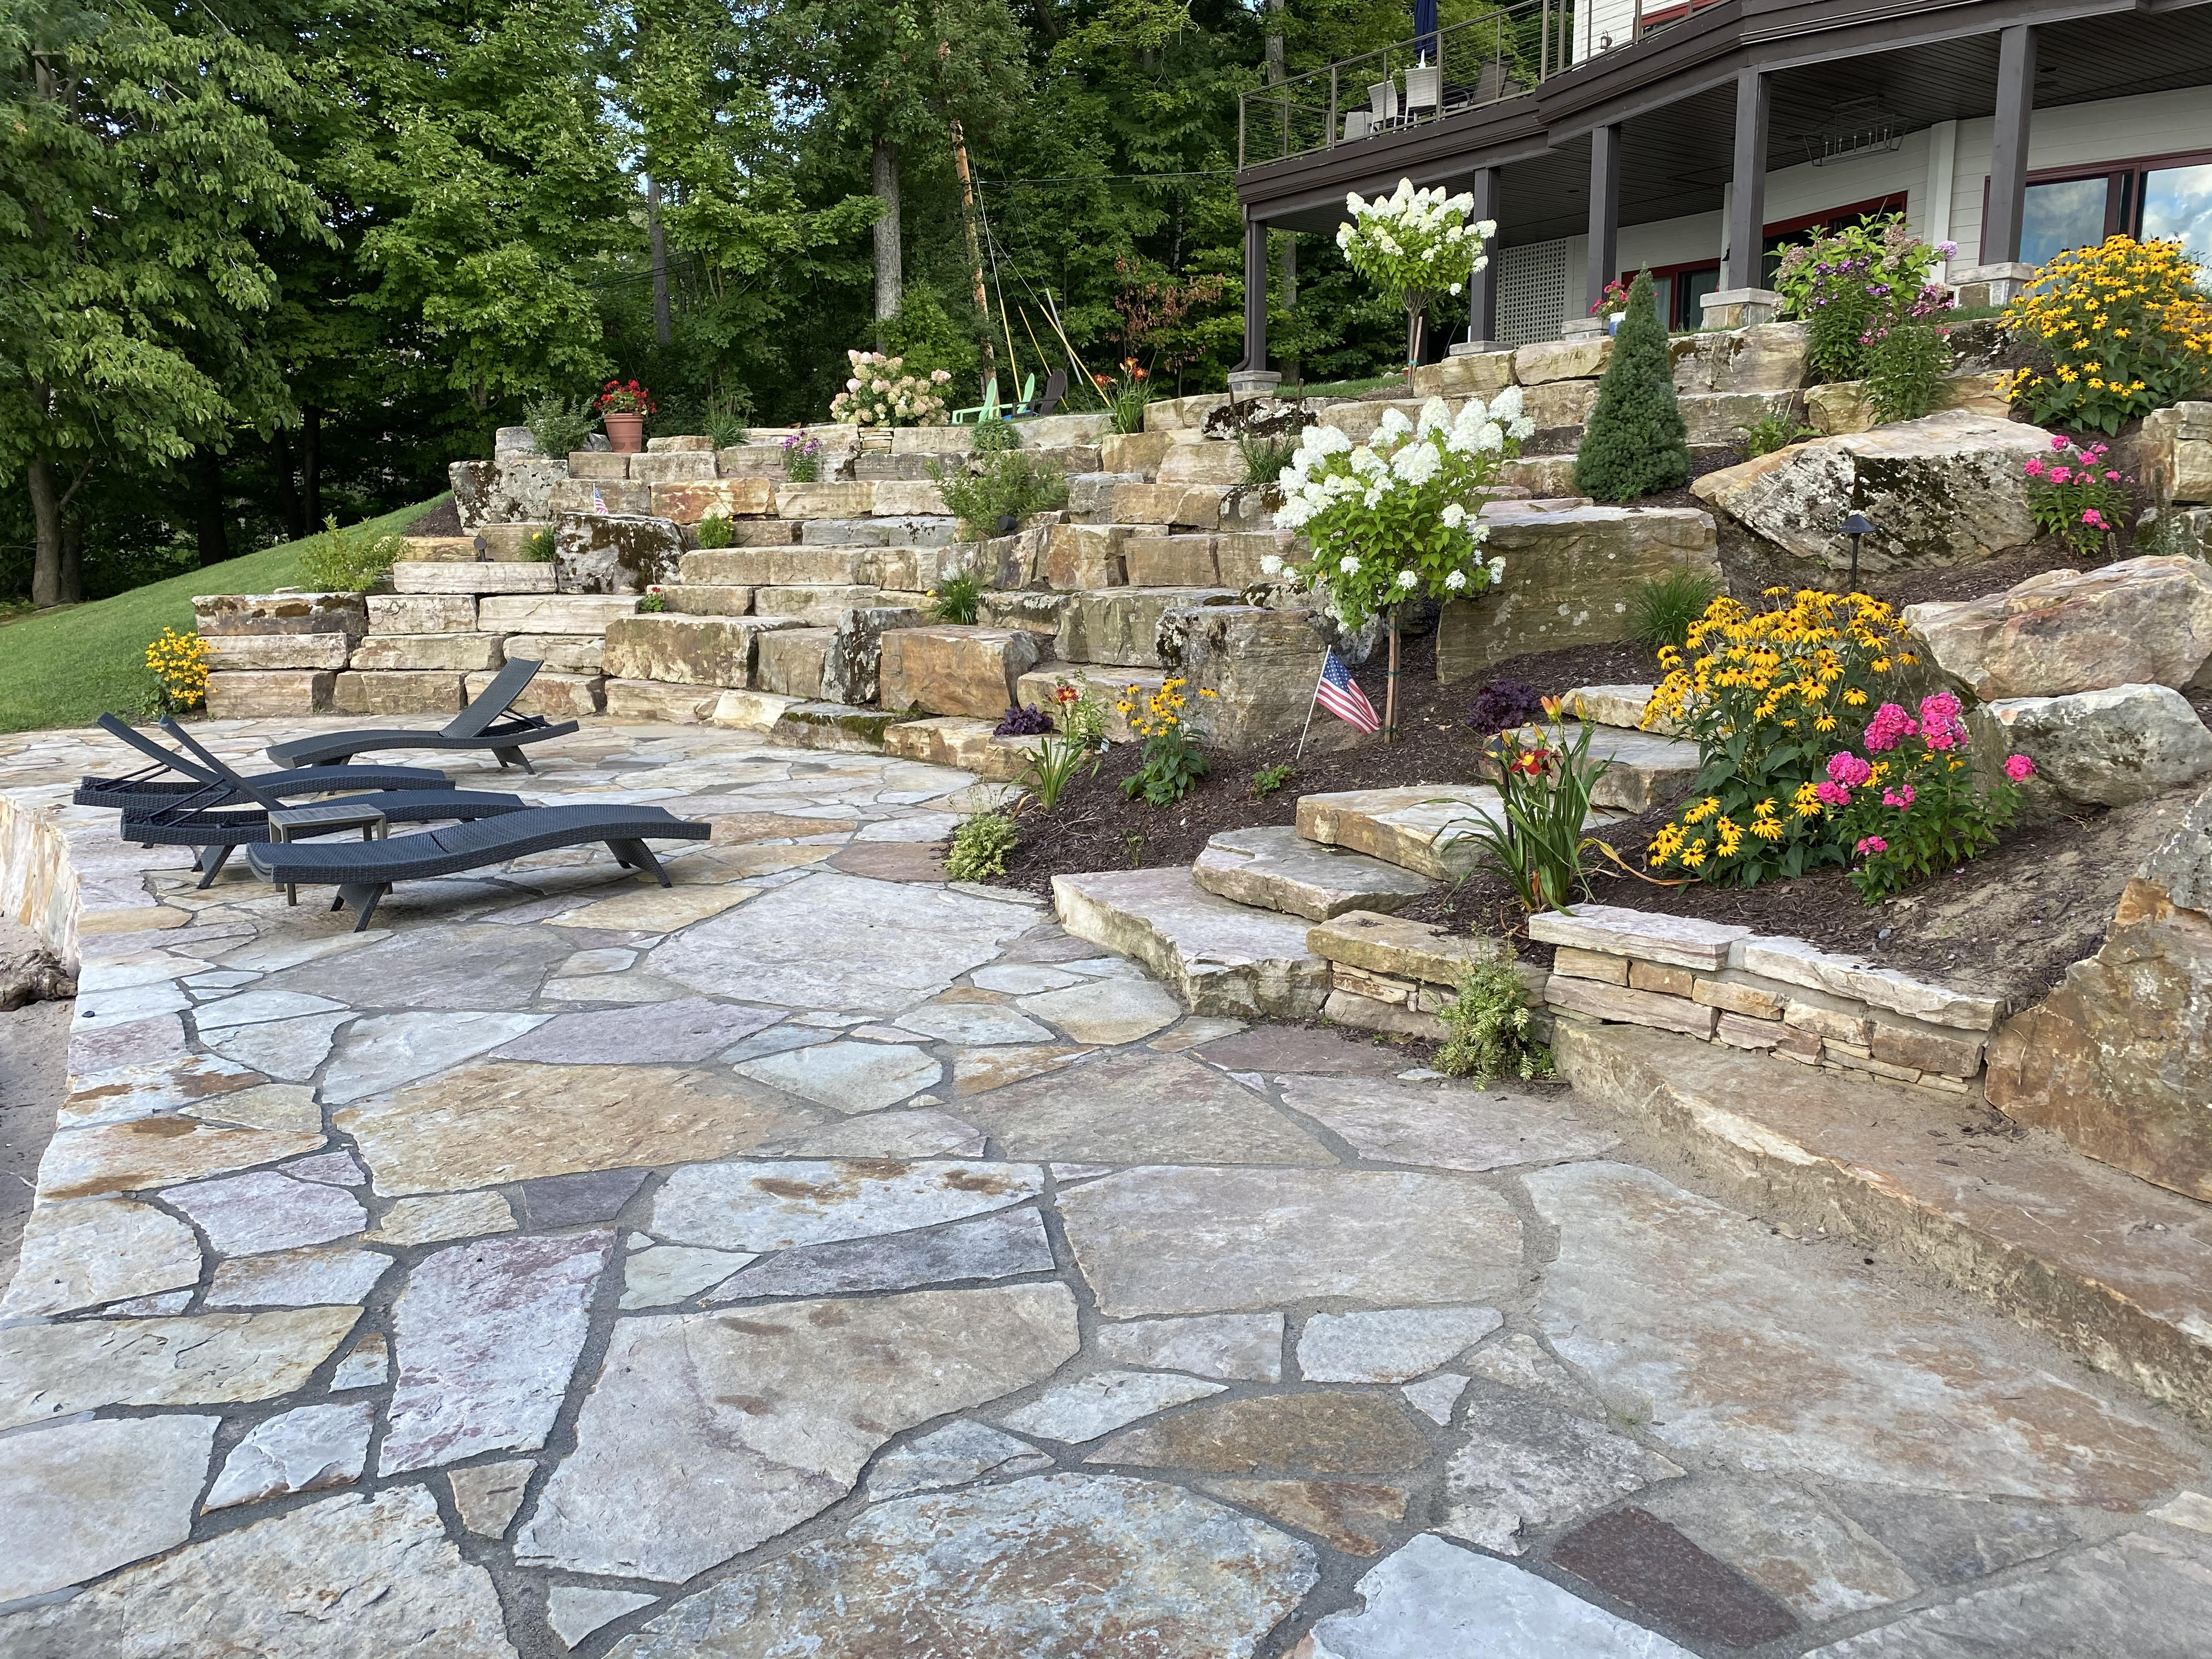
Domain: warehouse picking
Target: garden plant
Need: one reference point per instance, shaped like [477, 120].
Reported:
[1171, 762]
[1544, 781]
[957, 598]
[981, 843]
[715, 530]
[802, 458]
[1857, 282]
[1072, 736]
[558, 427]
[1005, 483]
[179, 665]
[2075, 494]
[1415, 245]
[2122, 328]
[348, 561]
[1635, 442]
[1487, 1026]
[1396, 518]
[880, 393]
[1910, 805]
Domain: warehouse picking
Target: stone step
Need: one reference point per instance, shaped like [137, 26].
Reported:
[2116, 1269]
[708, 600]
[411, 653]
[1275, 868]
[1220, 956]
[906, 568]
[1231, 559]
[1617, 705]
[1109, 498]
[557, 695]
[949, 669]
[1108, 683]
[491, 576]
[681, 650]
[1122, 625]
[841, 726]
[1410, 826]
[1648, 770]
[816, 605]
[789, 661]
[968, 745]
[553, 613]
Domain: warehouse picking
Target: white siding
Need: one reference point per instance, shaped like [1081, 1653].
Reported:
[1596, 19]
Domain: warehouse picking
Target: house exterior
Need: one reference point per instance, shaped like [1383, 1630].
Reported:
[1687, 138]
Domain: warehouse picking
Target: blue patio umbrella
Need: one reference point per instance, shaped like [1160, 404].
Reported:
[1424, 29]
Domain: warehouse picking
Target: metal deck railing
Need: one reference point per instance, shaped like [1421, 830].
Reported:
[1483, 59]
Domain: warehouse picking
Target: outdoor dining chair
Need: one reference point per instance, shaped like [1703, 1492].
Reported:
[1424, 88]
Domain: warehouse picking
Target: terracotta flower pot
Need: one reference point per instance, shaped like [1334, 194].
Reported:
[625, 433]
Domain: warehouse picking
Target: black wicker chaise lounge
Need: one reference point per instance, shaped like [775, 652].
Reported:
[484, 723]
[199, 821]
[147, 789]
[364, 871]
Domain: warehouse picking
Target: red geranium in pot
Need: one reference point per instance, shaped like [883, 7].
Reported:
[623, 406]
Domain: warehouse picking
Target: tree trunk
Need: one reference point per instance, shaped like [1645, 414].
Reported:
[1390, 685]
[889, 280]
[1415, 317]
[288, 494]
[657, 243]
[46, 515]
[72, 560]
[1278, 71]
[974, 256]
[311, 466]
[208, 520]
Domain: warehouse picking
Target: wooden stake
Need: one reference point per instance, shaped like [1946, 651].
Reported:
[1390, 685]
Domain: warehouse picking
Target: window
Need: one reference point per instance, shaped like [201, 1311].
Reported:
[2177, 202]
[2068, 214]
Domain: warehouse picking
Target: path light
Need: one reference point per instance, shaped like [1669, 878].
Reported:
[483, 548]
[1856, 526]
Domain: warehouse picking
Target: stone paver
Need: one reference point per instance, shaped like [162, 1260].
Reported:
[809, 1261]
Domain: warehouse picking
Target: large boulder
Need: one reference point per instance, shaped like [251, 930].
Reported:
[603, 553]
[2176, 450]
[1261, 666]
[2104, 748]
[1944, 489]
[1765, 358]
[1570, 572]
[2117, 1060]
[2142, 621]
[507, 488]
[853, 660]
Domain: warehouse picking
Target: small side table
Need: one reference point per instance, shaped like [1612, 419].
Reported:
[291, 823]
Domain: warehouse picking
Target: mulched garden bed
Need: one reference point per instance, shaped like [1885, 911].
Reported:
[2010, 921]
[443, 519]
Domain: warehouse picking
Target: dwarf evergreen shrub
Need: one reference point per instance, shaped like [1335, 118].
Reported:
[1635, 443]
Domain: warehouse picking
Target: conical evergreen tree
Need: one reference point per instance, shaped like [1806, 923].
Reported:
[1635, 443]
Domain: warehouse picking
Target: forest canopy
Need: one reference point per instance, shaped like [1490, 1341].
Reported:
[263, 261]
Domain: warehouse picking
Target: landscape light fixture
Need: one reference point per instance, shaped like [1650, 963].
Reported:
[483, 548]
[1856, 526]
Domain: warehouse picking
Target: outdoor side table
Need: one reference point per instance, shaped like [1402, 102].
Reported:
[299, 822]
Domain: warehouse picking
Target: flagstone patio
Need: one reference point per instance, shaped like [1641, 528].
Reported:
[821, 1258]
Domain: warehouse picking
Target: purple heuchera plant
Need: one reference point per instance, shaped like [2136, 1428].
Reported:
[1503, 704]
[1023, 722]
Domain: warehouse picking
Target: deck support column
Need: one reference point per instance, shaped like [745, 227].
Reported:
[1742, 298]
[2000, 276]
[1486, 187]
[1252, 378]
[1604, 220]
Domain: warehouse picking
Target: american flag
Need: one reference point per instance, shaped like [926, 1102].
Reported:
[598, 502]
[1339, 694]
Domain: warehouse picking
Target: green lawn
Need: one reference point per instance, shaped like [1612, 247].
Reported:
[68, 667]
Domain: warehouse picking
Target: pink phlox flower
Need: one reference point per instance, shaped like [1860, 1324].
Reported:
[1872, 844]
[2019, 767]
[2059, 441]
[1848, 769]
[2111, 478]
[1889, 724]
[1900, 798]
[2035, 467]
[2093, 519]
[2061, 474]
[1832, 794]
[1940, 724]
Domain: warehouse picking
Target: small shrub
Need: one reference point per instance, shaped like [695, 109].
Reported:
[995, 438]
[1006, 485]
[2074, 496]
[1266, 458]
[880, 393]
[728, 420]
[2126, 328]
[1905, 364]
[1172, 762]
[1635, 443]
[715, 530]
[348, 561]
[559, 428]
[1503, 704]
[1486, 1027]
[981, 843]
[802, 459]
[1910, 807]
[957, 599]
[1661, 611]
[1773, 432]
[179, 665]
[540, 547]
[1544, 789]
[1269, 779]
[1854, 283]
[653, 601]
[1020, 722]
[1126, 395]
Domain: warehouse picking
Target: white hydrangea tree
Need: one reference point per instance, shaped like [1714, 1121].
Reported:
[1415, 245]
[1398, 517]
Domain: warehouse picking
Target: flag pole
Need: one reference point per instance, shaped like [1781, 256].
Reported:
[1310, 702]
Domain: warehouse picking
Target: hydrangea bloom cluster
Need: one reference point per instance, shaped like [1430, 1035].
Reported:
[880, 393]
[1414, 245]
[1398, 517]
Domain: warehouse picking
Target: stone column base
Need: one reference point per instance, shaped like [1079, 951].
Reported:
[1741, 307]
[1991, 285]
[1254, 382]
[1583, 328]
[1476, 348]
